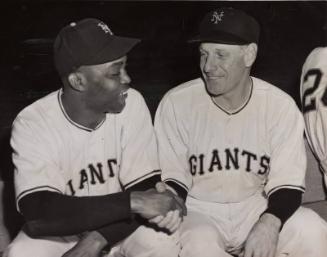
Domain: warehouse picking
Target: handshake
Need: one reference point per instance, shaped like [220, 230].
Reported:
[160, 206]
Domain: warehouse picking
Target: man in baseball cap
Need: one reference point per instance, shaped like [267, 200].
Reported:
[232, 146]
[87, 176]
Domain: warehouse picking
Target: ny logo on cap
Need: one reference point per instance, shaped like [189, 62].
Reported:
[105, 28]
[217, 17]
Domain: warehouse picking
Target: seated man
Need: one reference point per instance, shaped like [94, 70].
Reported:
[233, 145]
[314, 104]
[86, 158]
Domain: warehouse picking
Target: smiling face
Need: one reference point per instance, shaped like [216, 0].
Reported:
[223, 67]
[107, 86]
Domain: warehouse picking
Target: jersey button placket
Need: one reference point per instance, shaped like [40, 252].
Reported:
[228, 130]
[89, 153]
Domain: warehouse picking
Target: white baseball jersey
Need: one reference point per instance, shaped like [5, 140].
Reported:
[227, 157]
[52, 152]
[314, 102]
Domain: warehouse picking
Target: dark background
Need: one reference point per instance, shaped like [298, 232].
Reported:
[290, 30]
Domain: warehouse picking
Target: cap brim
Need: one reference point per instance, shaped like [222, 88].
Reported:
[218, 37]
[116, 48]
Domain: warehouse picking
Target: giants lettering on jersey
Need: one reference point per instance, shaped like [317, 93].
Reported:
[92, 175]
[226, 160]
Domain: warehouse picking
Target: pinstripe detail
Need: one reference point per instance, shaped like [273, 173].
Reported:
[300, 188]
[177, 182]
[152, 173]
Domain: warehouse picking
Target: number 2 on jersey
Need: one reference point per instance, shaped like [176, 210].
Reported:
[310, 105]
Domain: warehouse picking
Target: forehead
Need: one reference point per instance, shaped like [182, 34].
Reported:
[219, 47]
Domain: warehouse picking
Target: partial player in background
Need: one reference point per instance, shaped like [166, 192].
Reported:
[85, 159]
[4, 234]
[314, 104]
[233, 146]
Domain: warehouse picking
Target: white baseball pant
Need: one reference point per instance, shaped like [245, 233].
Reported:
[214, 229]
[144, 242]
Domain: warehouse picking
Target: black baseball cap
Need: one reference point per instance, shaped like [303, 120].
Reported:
[88, 42]
[228, 26]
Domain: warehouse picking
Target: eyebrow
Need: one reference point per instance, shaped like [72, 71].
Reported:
[120, 62]
[220, 50]
[117, 64]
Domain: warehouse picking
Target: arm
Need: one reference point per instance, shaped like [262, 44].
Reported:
[263, 236]
[139, 163]
[52, 214]
[139, 147]
[115, 232]
[285, 179]
[106, 237]
[172, 138]
[283, 203]
[287, 151]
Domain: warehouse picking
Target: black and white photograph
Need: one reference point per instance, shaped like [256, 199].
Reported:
[163, 128]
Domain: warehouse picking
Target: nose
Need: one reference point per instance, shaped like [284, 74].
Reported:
[124, 77]
[209, 64]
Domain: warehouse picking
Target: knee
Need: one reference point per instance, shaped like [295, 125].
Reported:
[16, 249]
[162, 244]
[304, 234]
[200, 237]
[149, 242]
[23, 249]
[308, 224]
[23, 246]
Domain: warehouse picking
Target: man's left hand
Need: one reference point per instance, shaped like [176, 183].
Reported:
[263, 237]
[89, 246]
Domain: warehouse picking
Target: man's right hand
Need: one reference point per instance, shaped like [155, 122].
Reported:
[163, 188]
[150, 203]
[173, 219]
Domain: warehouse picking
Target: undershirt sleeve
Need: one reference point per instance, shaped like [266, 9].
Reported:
[53, 214]
[283, 203]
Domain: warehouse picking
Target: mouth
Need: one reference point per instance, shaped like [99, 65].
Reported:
[123, 94]
[214, 77]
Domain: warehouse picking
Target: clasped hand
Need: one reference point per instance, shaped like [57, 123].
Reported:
[160, 206]
[172, 218]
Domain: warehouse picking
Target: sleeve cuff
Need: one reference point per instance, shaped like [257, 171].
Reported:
[283, 203]
[181, 191]
[145, 184]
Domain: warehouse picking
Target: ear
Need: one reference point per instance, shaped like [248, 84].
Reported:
[250, 54]
[77, 81]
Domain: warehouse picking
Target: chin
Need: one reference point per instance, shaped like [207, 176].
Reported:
[212, 91]
[116, 110]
